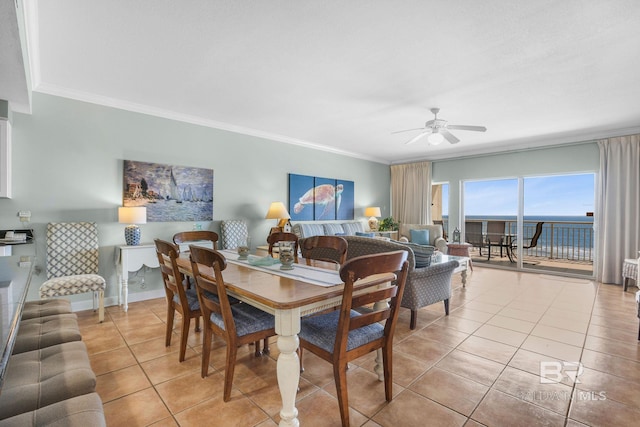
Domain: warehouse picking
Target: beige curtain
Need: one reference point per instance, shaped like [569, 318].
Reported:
[618, 206]
[411, 193]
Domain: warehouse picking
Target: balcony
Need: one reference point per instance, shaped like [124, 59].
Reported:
[564, 247]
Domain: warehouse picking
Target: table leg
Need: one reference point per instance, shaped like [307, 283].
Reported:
[463, 274]
[125, 292]
[288, 364]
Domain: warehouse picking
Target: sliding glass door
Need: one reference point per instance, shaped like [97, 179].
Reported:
[542, 223]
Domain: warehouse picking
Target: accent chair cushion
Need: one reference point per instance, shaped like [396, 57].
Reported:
[422, 254]
[419, 237]
[71, 285]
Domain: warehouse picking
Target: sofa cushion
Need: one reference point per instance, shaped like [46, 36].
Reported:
[419, 237]
[350, 228]
[333, 229]
[309, 230]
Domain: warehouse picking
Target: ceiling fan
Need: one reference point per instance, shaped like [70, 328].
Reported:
[438, 130]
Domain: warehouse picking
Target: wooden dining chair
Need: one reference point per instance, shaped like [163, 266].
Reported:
[324, 248]
[342, 336]
[180, 299]
[185, 237]
[237, 324]
[280, 236]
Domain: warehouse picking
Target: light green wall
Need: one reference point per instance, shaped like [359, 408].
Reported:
[67, 166]
[577, 158]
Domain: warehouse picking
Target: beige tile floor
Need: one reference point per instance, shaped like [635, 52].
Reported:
[480, 365]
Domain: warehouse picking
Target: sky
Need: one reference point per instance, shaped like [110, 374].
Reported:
[560, 195]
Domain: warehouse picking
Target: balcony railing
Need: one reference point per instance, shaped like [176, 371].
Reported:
[560, 240]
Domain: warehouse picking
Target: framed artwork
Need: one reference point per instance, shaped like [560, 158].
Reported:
[320, 199]
[170, 193]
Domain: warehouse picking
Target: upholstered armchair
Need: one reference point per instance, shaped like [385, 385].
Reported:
[425, 286]
[435, 234]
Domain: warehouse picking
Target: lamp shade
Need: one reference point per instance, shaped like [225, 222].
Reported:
[132, 215]
[372, 211]
[277, 211]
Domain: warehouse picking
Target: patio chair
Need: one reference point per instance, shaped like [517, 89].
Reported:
[473, 235]
[533, 241]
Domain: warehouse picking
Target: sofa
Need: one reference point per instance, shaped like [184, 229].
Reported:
[309, 229]
[425, 285]
[435, 234]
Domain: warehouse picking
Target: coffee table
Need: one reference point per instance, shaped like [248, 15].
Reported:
[463, 264]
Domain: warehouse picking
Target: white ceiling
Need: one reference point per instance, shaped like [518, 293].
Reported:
[344, 75]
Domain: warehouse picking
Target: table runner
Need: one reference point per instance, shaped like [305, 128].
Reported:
[301, 272]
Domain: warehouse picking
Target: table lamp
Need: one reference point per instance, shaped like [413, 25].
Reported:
[373, 213]
[279, 212]
[132, 215]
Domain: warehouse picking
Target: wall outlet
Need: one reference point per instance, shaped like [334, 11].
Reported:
[25, 216]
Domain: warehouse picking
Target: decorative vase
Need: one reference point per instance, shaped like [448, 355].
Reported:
[132, 235]
[286, 256]
[244, 245]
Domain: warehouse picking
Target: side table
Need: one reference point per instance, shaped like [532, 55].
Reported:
[132, 258]
[460, 249]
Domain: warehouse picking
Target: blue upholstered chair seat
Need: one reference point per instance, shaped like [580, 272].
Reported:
[321, 331]
[248, 319]
[192, 299]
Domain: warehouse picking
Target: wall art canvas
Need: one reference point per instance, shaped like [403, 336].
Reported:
[170, 193]
[320, 199]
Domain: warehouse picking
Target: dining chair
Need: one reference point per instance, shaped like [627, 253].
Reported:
[186, 237]
[280, 236]
[180, 299]
[324, 248]
[72, 262]
[355, 330]
[237, 324]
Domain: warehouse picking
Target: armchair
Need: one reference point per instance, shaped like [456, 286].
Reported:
[436, 237]
[425, 286]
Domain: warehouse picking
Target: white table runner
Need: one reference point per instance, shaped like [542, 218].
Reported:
[301, 272]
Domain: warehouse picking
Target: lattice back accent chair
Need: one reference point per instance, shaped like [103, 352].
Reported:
[342, 336]
[231, 231]
[184, 301]
[72, 262]
[237, 324]
[324, 248]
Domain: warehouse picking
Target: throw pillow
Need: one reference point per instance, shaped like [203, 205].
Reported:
[422, 254]
[363, 234]
[419, 237]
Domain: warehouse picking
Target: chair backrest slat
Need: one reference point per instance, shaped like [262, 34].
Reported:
[324, 248]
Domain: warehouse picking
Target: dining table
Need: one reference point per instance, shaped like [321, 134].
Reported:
[289, 295]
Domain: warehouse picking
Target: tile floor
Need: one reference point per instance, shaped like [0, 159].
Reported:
[480, 365]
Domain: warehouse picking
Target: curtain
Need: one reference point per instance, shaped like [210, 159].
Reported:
[411, 193]
[617, 206]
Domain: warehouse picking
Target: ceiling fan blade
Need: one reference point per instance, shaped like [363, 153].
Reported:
[465, 127]
[417, 137]
[406, 130]
[449, 137]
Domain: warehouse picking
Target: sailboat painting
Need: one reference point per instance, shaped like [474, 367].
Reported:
[170, 193]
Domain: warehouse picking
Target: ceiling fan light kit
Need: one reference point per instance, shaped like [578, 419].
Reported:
[438, 130]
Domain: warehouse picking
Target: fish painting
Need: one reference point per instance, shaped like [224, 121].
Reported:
[326, 195]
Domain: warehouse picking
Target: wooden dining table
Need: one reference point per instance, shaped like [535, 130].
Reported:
[288, 296]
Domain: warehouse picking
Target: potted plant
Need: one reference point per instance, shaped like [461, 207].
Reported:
[388, 224]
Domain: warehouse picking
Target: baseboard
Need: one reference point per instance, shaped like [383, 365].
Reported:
[111, 301]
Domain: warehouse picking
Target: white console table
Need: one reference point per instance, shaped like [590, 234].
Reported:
[132, 258]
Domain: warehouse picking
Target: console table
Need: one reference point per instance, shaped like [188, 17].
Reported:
[129, 259]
